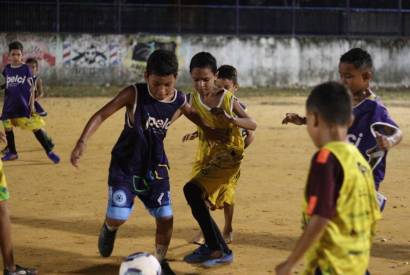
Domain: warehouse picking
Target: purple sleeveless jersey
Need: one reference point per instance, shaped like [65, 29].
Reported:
[17, 94]
[367, 114]
[140, 148]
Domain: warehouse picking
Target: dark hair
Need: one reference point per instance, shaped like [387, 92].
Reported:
[332, 102]
[358, 57]
[162, 63]
[15, 45]
[203, 60]
[32, 60]
[228, 72]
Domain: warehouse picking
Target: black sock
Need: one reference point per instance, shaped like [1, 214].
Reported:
[10, 142]
[41, 136]
[212, 234]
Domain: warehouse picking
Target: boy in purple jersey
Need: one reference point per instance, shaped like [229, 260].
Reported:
[373, 131]
[139, 165]
[18, 107]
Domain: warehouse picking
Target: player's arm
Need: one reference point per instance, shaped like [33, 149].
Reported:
[39, 88]
[294, 119]
[211, 134]
[387, 142]
[124, 98]
[242, 119]
[313, 232]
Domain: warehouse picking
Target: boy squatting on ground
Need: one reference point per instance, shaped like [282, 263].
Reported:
[18, 107]
[227, 78]
[217, 163]
[340, 207]
[139, 165]
[373, 131]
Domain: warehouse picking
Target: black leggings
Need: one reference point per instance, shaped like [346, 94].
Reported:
[213, 237]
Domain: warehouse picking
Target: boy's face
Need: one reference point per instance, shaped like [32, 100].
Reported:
[356, 80]
[203, 79]
[33, 67]
[226, 84]
[16, 57]
[161, 87]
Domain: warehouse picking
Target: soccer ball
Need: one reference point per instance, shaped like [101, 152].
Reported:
[140, 263]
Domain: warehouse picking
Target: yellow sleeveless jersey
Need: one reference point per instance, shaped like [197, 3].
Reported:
[344, 247]
[217, 163]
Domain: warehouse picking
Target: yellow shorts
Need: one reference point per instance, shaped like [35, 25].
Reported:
[34, 122]
[225, 194]
[4, 192]
[219, 175]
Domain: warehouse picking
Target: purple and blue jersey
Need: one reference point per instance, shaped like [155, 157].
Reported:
[368, 114]
[139, 164]
[17, 95]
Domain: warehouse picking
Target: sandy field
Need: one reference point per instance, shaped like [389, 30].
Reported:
[57, 210]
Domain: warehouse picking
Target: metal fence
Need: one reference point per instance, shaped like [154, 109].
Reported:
[236, 17]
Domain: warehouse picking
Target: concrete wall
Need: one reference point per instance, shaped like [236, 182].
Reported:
[261, 61]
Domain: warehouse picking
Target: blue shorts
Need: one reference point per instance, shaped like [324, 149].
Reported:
[121, 195]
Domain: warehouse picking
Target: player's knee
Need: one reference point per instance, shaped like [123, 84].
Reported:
[163, 212]
[191, 191]
[114, 222]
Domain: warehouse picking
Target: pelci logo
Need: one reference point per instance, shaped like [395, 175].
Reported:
[13, 81]
[157, 123]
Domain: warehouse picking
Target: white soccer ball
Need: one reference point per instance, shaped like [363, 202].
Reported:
[140, 263]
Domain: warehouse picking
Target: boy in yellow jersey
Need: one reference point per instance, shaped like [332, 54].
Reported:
[6, 246]
[340, 207]
[217, 163]
[227, 78]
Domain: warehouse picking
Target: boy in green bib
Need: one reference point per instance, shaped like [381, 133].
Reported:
[340, 208]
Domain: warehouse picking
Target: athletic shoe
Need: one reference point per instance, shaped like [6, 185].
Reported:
[224, 259]
[166, 269]
[21, 271]
[54, 157]
[42, 114]
[199, 255]
[106, 241]
[5, 150]
[9, 157]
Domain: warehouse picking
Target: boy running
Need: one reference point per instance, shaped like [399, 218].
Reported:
[217, 164]
[373, 131]
[139, 165]
[340, 208]
[227, 78]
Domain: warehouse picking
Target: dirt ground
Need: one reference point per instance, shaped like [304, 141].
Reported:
[57, 210]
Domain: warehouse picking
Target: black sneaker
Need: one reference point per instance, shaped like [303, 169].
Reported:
[106, 241]
[166, 269]
[21, 271]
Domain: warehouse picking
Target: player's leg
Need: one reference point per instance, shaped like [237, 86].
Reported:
[120, 205]
[228, 231]
[11, 153]
[5, 237]
[215, 247]
[47, 144]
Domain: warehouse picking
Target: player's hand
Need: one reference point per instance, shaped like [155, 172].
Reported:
[3, 137]
[294, 119]
[190, 136]
[283, 269]
[77, 153]
[221, 114]
[383, 142]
